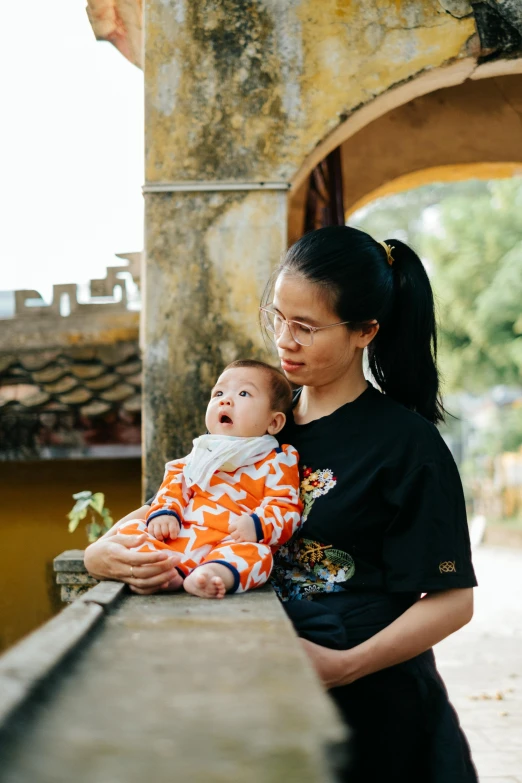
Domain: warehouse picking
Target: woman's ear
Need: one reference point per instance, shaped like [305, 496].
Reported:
[277, 423]
[366, 333]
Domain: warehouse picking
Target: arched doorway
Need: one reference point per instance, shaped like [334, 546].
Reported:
[410, 136]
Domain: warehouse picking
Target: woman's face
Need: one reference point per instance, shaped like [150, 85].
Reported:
[334, 353]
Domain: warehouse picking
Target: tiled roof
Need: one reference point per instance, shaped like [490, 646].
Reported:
[92, 380]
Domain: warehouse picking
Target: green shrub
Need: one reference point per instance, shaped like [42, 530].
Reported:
[90, 506]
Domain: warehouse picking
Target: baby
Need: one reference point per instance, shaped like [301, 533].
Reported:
[235, 498]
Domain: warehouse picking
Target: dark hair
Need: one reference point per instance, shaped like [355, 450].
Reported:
[280, 387]
[353, 269]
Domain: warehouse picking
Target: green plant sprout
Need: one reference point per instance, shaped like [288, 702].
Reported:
[93, 507]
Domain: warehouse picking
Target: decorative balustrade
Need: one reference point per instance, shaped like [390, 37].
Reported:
[30, 304]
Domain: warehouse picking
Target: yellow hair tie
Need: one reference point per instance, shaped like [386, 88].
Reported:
[388, 249]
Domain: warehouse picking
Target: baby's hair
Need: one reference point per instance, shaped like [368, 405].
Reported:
[280, 388]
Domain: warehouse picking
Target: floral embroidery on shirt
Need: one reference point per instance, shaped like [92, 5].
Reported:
[313, 485]
[303, 567]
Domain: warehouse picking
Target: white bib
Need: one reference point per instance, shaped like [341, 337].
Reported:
[211, 453]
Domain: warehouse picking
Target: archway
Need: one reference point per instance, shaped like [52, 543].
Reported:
[412, 135]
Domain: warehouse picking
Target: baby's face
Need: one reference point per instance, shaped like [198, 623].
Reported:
[240, 404]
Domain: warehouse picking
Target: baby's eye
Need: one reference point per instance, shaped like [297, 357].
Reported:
[244, 393]
[217, 394]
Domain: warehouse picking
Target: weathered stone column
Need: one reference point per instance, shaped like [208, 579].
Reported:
[215, 205]
[209, 256]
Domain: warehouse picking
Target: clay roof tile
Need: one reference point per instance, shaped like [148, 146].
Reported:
[118, 393]
[76, 397]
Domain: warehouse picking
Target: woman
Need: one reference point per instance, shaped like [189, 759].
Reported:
[384, 511]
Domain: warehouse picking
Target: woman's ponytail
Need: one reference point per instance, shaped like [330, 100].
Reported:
[367, 283]
[403, 354]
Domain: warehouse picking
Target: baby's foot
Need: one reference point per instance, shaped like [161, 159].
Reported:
[206, 582]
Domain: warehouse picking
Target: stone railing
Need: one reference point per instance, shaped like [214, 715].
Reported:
[71, 575]
[119, 687]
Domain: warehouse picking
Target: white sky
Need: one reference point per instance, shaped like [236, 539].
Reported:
[71, 148]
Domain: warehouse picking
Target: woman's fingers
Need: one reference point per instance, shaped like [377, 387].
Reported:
[126, 566]
[140, 591]
[145, 586]
[129, 541]
[143, 591]
[327, 663]
[138, 558]
[153, 582]
[172, 585]
[147, 574]
[152, 558]
[155, 569]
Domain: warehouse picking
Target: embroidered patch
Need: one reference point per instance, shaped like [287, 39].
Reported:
[331, 565]
[448, 567]
[303, 567]
[314, 484]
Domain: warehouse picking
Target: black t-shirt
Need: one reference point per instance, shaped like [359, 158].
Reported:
[383, 504]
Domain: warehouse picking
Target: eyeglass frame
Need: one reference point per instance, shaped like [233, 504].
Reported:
[312, 329]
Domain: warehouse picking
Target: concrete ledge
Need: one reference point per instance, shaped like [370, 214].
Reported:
[103, 594]
[169, 687]
[28, 663]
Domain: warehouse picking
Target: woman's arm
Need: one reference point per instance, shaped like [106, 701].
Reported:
[424, 624]
[112, 557]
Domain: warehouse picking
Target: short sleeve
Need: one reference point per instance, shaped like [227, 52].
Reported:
[426, 547]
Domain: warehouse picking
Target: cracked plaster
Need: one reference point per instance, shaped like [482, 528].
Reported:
[252, 90]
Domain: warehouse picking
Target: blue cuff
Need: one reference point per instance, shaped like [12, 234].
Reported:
[167, 513]
[259, 527]
[228, 565]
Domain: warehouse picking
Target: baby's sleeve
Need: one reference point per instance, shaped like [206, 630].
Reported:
[172, 497]
[279, 515]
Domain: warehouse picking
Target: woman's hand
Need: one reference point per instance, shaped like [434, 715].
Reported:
[430, 620]
[331, 666]
[112, 557]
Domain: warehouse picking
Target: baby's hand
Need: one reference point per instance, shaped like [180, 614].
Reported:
[163, 527]
[243, 529]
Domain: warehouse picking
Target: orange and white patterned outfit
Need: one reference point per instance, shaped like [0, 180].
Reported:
[267, 490]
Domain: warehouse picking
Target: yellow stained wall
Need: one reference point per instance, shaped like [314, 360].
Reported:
[245, 92]
[36, 496]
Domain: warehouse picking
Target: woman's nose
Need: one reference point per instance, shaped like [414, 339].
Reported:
[285, 339]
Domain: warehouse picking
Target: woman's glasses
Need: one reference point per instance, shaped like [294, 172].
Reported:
[301, 333]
